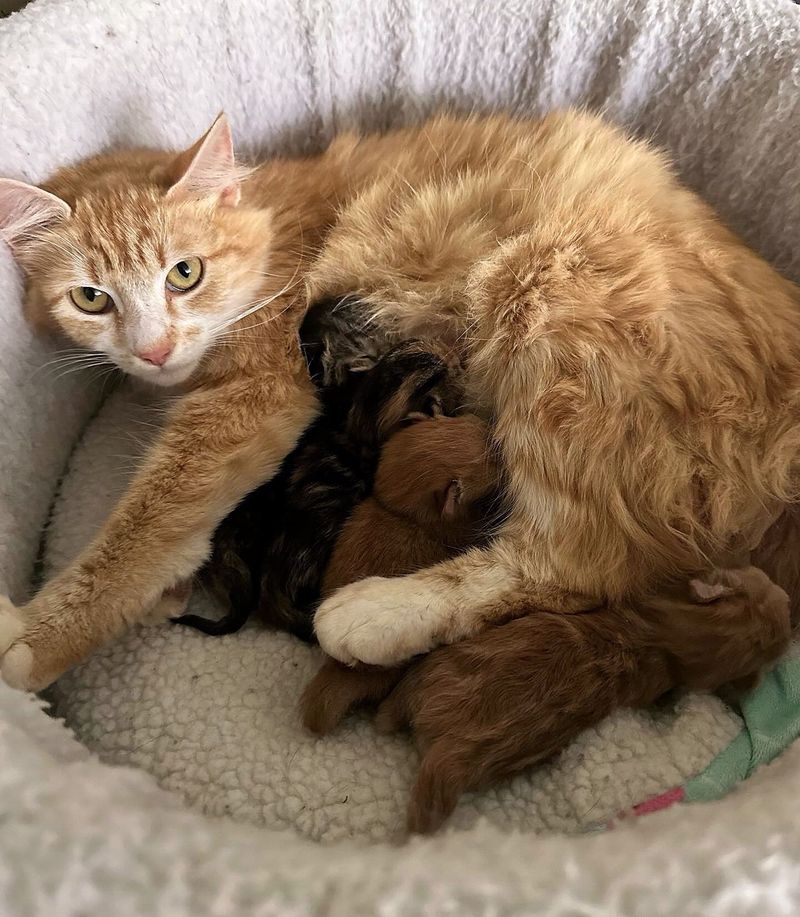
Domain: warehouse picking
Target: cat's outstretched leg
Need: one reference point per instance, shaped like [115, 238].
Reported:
[385, 621]
[218, 445]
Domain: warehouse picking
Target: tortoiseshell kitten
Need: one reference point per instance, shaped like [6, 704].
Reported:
[270, 554]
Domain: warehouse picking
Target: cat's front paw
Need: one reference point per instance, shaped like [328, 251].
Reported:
[378, 621]
[36, 645]
[11, 624]
[15, 662]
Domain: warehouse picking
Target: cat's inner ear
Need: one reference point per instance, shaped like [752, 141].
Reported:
[208, 169]
[449, 499]
[25, 208]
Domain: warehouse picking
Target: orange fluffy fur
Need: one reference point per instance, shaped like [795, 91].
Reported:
[639, 364]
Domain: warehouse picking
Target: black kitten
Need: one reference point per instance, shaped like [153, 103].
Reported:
[269, 555]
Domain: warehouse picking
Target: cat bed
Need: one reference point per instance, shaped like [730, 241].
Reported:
[718, 85]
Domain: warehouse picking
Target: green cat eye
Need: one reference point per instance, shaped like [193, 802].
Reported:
[88, 299]
[185, 275]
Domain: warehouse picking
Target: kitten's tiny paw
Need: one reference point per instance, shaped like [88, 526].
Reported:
[377, 621]
[172, 604]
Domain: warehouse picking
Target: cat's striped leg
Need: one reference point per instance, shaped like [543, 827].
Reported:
[218, 445]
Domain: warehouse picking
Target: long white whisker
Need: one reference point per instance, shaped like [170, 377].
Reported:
[258, 305]
[74, 369]
[70, 360]
[230, 338]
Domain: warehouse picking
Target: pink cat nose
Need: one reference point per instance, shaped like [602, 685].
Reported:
[158, 354]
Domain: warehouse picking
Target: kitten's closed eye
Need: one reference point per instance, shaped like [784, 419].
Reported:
[432, 406]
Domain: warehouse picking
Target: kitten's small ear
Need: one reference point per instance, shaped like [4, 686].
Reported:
[208, 169]
[25, 208]
[450, 499]
[705, 593]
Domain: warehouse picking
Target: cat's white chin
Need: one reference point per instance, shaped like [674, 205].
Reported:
[165, 376]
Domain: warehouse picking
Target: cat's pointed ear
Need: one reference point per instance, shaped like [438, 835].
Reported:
[25, 208]
[208, 169]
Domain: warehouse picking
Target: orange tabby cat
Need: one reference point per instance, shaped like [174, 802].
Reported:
[639, 363]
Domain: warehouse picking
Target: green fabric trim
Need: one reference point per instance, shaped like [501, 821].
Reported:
[771, 715]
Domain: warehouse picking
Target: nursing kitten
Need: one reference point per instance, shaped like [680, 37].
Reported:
[477, 714]
[517, 694]
[638, 363]
[436, 492]
[269, 555]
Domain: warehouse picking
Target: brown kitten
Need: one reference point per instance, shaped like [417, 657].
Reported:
[435, 488]
[518, 693]
[436, 492]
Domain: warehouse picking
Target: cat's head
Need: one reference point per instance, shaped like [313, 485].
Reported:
[143, 256]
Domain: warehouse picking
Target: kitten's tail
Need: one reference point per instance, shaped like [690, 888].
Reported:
[232, 583]
[228, 624]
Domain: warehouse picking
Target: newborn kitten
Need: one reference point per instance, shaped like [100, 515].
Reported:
[488, 707]
[435, 493]
[270, 553]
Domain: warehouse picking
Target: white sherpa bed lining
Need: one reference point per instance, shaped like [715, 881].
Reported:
[715, 83]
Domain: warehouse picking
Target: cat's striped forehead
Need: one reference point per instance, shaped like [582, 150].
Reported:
[123, 231]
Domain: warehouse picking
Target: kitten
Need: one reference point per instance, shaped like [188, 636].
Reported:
[269, 555]
[638, 363]
[436, 493]
[518, 693]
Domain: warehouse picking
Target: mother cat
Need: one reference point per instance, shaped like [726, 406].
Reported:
[639, 363]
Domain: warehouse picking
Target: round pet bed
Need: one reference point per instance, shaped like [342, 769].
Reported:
[719, 86]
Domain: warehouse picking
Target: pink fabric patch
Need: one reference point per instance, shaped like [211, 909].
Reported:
[657, 803]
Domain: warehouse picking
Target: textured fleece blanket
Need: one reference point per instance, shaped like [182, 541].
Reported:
[716, 83]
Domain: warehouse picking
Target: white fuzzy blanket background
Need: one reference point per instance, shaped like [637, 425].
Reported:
[718, 83]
